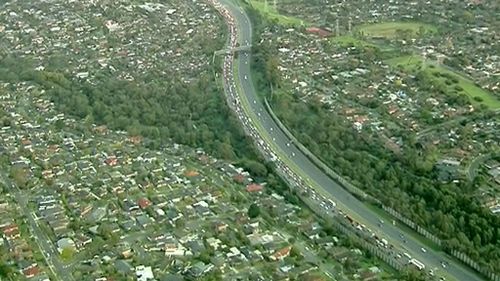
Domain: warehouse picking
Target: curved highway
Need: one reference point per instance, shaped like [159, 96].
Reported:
[286, 151]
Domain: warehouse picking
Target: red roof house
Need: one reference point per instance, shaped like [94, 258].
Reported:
[191, 173]
[281, 254]
[11, 231]
[239, 178]
[31, 271]
[144, 203]
[111, 161]
[320, 32]
[253, 187]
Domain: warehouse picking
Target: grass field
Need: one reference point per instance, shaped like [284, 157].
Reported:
[389, 29]
[268, 10]
[346, 40]
[442, 74]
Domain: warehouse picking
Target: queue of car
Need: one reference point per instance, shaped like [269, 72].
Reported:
[325, 203]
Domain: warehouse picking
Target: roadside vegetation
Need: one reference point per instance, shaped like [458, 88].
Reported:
[407, 180]
[266, 8]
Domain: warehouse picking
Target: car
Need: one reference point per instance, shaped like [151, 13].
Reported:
[423, 250]
[246, 77]
[443, 264]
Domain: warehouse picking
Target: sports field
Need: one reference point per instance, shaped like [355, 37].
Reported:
[390, 29]
[444, 75]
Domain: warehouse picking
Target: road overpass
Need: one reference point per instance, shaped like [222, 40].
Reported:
[299, 163]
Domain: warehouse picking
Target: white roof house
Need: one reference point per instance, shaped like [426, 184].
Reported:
[144, 273]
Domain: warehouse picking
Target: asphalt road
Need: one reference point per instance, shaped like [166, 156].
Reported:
[60, 271]
[284, 148]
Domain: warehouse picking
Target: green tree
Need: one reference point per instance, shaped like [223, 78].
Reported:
[19, 175]
[255, 168]
[5, 270]
[272, 72]
[253, 211]
[67, 254]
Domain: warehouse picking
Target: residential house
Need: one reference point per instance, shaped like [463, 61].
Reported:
[253, 187]
[281, 254]
[144, 273]
[199, 269]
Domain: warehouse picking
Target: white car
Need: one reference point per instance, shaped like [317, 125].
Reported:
[423, 250]
[245, 77]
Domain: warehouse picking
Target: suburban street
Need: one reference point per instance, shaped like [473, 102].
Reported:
[48, 250]
[296, 161]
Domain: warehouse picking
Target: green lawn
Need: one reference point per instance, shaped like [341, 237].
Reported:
[389, 29]
[405, 61]
[347, 40]
[266, 8]
[441, 74]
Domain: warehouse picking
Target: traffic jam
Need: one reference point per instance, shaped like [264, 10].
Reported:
[327, 205]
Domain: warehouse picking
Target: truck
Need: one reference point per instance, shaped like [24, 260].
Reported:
[419, 265]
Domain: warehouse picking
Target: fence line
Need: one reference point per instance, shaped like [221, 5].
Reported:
[356, 191]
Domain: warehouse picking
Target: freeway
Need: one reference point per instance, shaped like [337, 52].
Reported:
[288, 153]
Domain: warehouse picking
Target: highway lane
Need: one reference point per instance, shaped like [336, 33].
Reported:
[304, 167]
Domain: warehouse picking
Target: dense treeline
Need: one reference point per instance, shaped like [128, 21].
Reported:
[194, 114]
[398, 181]
[407, 182]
